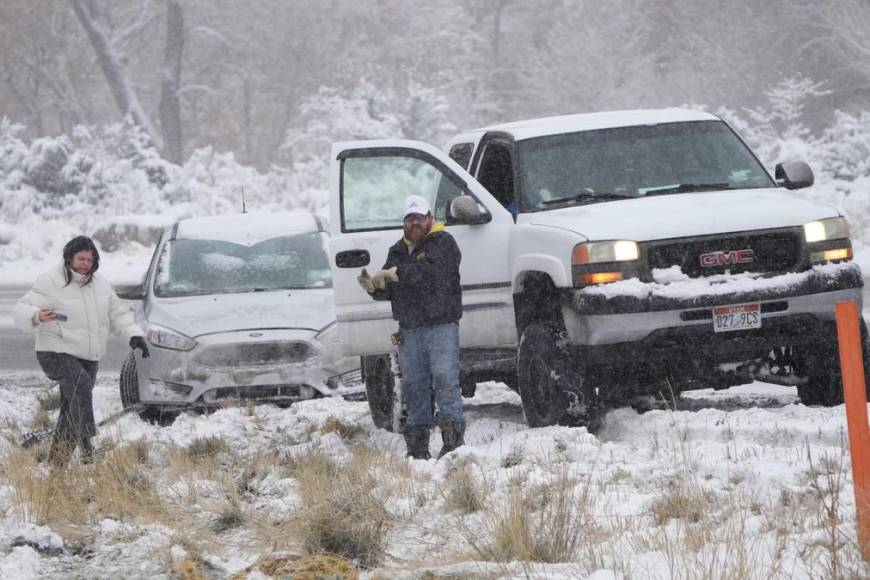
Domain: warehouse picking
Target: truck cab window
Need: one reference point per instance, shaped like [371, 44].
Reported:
[496, 174]
[461, 153]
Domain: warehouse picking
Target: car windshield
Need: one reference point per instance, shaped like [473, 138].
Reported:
[627, 162]
[190, 267]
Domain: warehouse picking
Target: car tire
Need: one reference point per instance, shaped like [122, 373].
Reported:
[129, 383]
[550, 383]
[129, 387]
[821, 367]
[380, 391]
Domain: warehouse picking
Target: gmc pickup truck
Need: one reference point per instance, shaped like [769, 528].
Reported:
[607, 258]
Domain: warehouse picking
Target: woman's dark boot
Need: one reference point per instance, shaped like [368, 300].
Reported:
[417, 442]
[452, 436]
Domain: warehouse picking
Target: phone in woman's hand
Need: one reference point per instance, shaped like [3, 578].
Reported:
[60, 316]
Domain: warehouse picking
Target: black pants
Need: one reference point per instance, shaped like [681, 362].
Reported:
[75, 423]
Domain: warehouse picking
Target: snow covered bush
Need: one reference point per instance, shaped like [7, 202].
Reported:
[412, 111]
[110, 182]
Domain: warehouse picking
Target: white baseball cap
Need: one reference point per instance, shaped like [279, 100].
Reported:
[416, 204]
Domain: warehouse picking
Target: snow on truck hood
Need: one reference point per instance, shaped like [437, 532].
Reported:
[688, 214]
[197, 315]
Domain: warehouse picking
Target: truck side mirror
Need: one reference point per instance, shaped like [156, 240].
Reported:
[465, 210]
[794, 175]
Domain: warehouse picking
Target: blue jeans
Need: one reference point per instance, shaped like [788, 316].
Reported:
[429, 361]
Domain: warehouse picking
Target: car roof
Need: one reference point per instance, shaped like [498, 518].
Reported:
[545, 126]
[259, 224]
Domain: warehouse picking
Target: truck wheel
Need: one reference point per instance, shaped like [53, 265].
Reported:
[551, 388]
[821, 366]
[379, 390]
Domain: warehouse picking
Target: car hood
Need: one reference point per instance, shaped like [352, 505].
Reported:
[197, 315]
[687, 214]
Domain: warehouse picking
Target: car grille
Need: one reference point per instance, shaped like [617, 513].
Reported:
[777, 251]
[256, 354]
[261, 392]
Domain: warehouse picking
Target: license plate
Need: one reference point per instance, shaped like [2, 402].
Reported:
[736, 317]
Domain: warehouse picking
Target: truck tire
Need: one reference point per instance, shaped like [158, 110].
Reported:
[551, 386]
[379, 390]
[821, 366]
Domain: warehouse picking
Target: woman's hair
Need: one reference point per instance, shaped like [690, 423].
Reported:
[73, 247]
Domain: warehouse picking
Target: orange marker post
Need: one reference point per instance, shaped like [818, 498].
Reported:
[855, 396]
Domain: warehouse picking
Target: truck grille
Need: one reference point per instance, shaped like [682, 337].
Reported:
[256, 354]
[777, 251]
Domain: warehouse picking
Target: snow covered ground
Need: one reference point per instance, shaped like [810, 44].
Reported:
[745, 483]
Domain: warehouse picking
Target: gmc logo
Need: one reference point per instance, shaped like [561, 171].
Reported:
[711, 259]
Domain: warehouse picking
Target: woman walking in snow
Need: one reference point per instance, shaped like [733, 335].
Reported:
[72, 309]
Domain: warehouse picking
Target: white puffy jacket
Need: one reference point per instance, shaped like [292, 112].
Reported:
[92, 311]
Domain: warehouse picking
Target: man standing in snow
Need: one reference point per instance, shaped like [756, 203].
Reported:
[421, 279]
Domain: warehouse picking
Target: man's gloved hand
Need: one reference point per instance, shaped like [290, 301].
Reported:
[139, 342]
[381, 278]
[365, 281]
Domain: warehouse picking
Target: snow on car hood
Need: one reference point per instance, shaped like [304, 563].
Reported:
[687, 214]
[198, 315]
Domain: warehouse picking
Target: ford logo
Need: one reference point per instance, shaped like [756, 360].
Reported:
[255, 334]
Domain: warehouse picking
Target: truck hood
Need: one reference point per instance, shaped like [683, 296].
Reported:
[198, 315]
[685, 215]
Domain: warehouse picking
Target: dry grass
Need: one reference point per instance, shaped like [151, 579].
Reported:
[115, 486]
[465, 492]
[681, 497]
[49, 400]
[347, 431]
[536, 524]
[340, 512]
[308, 567]
[206, 447]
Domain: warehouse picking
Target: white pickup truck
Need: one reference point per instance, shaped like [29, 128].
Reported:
[606, 258]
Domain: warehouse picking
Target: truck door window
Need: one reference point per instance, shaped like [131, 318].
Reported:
[496, 172]
[461, 153]
[374, 188]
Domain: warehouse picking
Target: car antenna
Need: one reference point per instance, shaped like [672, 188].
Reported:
[244, 209]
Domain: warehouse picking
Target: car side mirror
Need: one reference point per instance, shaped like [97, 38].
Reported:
[131, 291]
[794, 175]
[465, 210]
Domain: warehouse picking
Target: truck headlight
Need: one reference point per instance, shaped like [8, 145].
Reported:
[830, 229]
[165, 338]
[602, 262]
[828, 240]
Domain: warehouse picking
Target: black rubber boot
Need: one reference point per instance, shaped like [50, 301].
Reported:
[452, 436]
[417, 442]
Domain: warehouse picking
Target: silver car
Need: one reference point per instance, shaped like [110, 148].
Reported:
[238, 307]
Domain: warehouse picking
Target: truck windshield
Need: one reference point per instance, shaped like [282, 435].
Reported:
[628, 162]
[190, 267]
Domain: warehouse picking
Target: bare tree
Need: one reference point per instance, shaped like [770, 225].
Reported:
[110, 62]
[170, 89]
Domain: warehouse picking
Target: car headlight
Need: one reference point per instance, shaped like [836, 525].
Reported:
[830, 229]
[602, 262]
[328, 336]
[165, 338]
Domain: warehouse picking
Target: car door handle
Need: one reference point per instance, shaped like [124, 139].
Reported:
[352, 259]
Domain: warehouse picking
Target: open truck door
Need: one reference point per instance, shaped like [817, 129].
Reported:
[368, 185]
